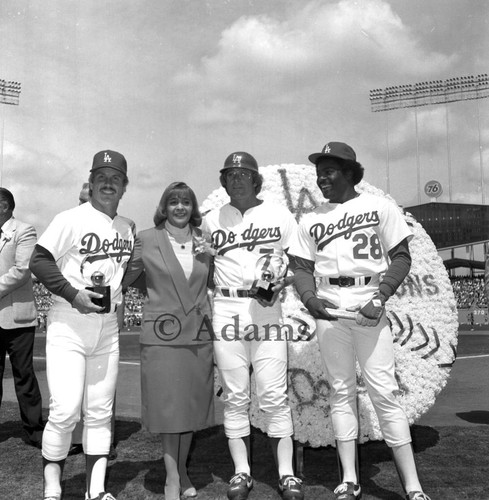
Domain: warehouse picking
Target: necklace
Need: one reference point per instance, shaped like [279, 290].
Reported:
[181, 235]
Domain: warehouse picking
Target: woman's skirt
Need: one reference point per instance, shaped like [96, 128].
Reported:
[177, 388]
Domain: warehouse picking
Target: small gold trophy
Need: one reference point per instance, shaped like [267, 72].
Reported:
[98, 280]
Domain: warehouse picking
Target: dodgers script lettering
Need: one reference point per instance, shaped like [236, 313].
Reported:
[251, 237]
[118, 247]
[346, 226]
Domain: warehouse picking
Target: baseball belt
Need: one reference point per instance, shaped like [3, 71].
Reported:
[346, 281]
[232, 292]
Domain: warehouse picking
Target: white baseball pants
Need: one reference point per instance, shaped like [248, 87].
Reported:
[340, 341]
[245, 336]
[82, 360]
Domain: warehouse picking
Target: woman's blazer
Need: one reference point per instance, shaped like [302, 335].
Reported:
[177, 311]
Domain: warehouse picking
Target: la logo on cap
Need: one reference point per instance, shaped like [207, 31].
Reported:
[240, 159]
[327, 149]
[110, 159]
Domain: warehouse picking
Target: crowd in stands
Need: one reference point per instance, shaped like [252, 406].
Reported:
[133, 306]
[43, 302]
[469, 292]
[133, 312]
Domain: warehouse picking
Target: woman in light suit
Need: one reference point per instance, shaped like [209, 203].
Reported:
[176, 338]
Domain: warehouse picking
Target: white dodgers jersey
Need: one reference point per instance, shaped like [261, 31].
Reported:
[241, 239]
[84, 240]
[352, 238]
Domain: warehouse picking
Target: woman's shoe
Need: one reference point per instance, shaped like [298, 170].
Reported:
[172, 492]
[187, 487]
[190, 492]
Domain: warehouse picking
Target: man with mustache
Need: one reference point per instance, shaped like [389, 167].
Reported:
[87, 245]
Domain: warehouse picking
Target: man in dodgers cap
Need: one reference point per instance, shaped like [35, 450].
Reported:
[244, 232]
[82, 343]
[351, 255]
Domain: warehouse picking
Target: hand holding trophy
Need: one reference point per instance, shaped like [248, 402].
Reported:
[270, 269]
[98, 281]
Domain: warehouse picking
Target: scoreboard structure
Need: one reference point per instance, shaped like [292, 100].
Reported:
[453, 225]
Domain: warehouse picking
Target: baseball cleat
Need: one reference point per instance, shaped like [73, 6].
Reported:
[348, 491]
[240, 486]
[103, 496]
[290, 488]
[417, 495]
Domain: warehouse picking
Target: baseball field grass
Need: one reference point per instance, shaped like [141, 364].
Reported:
[453, 464]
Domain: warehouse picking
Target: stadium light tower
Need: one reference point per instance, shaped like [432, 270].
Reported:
[428, 93]
[9, 94]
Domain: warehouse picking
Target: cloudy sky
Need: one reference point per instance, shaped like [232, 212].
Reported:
[177, 85]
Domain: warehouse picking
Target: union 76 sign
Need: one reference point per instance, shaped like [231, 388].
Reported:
[433, 189]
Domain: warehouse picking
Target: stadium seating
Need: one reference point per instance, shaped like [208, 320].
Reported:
[469, 293]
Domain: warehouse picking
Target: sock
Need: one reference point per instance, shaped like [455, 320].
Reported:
[53, 471]
[96, 469]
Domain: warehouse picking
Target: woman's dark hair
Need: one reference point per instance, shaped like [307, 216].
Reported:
[256, 177]
[179, 189]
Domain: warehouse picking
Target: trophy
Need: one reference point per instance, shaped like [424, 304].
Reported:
[98, 280]
[269, 270]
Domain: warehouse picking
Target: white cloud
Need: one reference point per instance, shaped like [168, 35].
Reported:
[321, 45]
[367, 37]
[168, 81]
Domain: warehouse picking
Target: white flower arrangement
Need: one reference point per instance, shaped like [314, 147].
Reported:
[423, 316]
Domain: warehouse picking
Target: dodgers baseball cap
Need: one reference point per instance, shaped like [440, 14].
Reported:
[110, 159]
[240, 159]
[334, 150]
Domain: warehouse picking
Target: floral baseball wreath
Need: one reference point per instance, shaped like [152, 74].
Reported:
[422, 314]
